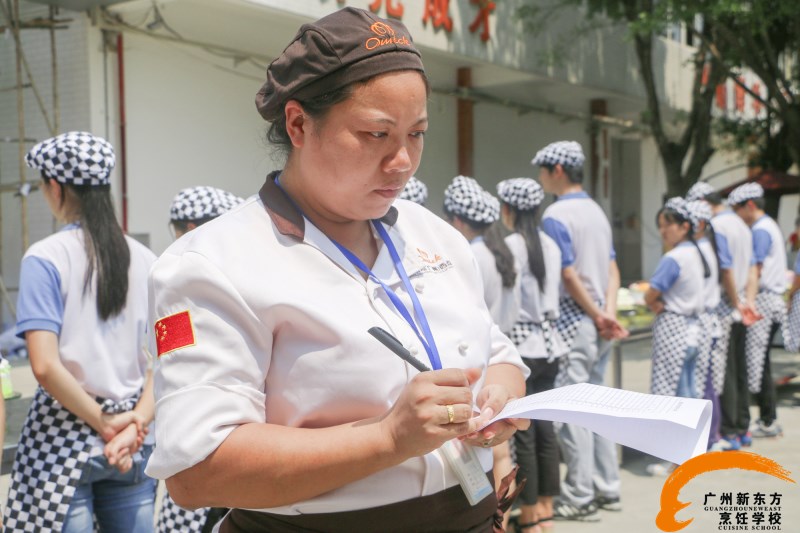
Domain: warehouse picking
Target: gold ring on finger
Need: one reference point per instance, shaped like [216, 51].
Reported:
[451, 414]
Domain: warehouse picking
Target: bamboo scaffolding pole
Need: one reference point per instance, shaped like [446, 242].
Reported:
[15, 33]
[23, 200]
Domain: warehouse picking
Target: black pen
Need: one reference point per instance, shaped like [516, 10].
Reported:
[389, 340]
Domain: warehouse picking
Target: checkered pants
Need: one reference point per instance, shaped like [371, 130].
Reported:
[711, 359]
[669, 351]
[173, 518]
[771, 306]
[53, 449]
[791, 326]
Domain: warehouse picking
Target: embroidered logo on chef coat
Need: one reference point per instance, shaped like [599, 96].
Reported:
[427, 258]
[174, 332]
[431, 263]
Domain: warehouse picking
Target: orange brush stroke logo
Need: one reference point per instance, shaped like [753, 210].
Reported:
[707, 462]
[386, 36]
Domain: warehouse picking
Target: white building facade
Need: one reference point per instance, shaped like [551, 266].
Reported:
[180, 91]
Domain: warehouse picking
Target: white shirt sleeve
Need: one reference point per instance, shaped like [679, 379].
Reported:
[207, 389]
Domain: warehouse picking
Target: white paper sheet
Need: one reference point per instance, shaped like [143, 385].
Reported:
[672, 428]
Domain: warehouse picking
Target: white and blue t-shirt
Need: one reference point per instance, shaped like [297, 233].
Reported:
[537, 305]
[769, 252]
[108, 358]
[679, 278]
[711, 288]
[581, 230]
[734, 245]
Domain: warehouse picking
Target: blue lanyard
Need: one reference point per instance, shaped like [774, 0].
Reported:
[426, 337]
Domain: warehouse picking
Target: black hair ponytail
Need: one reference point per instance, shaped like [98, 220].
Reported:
[525, 223]
[494, 238]
[107, 253]
[712, 237]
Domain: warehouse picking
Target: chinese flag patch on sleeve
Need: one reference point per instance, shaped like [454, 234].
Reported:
[174, 332]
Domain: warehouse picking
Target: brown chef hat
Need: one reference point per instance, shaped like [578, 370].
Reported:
[344, 47]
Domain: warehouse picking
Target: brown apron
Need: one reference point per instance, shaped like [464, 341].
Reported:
[444, 512]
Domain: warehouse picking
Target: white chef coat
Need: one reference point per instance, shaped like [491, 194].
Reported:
[280, 320]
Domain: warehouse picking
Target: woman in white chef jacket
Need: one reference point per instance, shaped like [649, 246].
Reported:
[272, 398]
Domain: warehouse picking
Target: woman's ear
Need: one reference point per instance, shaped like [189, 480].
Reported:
[296, 123]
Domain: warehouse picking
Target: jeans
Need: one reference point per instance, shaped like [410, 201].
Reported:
[121, 502]
[686, 384]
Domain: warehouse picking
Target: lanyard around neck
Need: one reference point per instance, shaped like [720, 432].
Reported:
[426, 336]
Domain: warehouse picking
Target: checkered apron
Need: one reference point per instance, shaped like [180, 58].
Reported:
[771, 306]
[53, 449]
[553, 343]
[174, 518]
[670, 341]
[570, 315]
[710, 359]
[791, 326]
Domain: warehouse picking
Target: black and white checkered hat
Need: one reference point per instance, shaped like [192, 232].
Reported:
[698, 210]
[464, 197]
[564, 153]
[699, 191]
[520, 193]
[199, 203]
[415, 190]
[678, 205]
[745, 192]
[75, 157]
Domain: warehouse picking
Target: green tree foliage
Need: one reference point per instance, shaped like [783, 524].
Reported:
[729, 36]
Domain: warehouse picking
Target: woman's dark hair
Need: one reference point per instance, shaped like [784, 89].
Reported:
[183, 225]
[317, 108]
[494, 237]
[712, 237]
[674, 217]
[526, 224]
[107, 252]
[575, 174]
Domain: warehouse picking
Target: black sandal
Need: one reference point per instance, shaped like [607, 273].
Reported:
[526, 525]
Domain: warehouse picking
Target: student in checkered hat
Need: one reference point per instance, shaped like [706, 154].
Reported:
[273, 397]
[415, 191]
[710, 369]
[536, 336]
[475, 213]
[82, 310]
[676, 297]
[472, 211]
[769, 255]
[587, 323]
[193, 207]
[734, 245]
